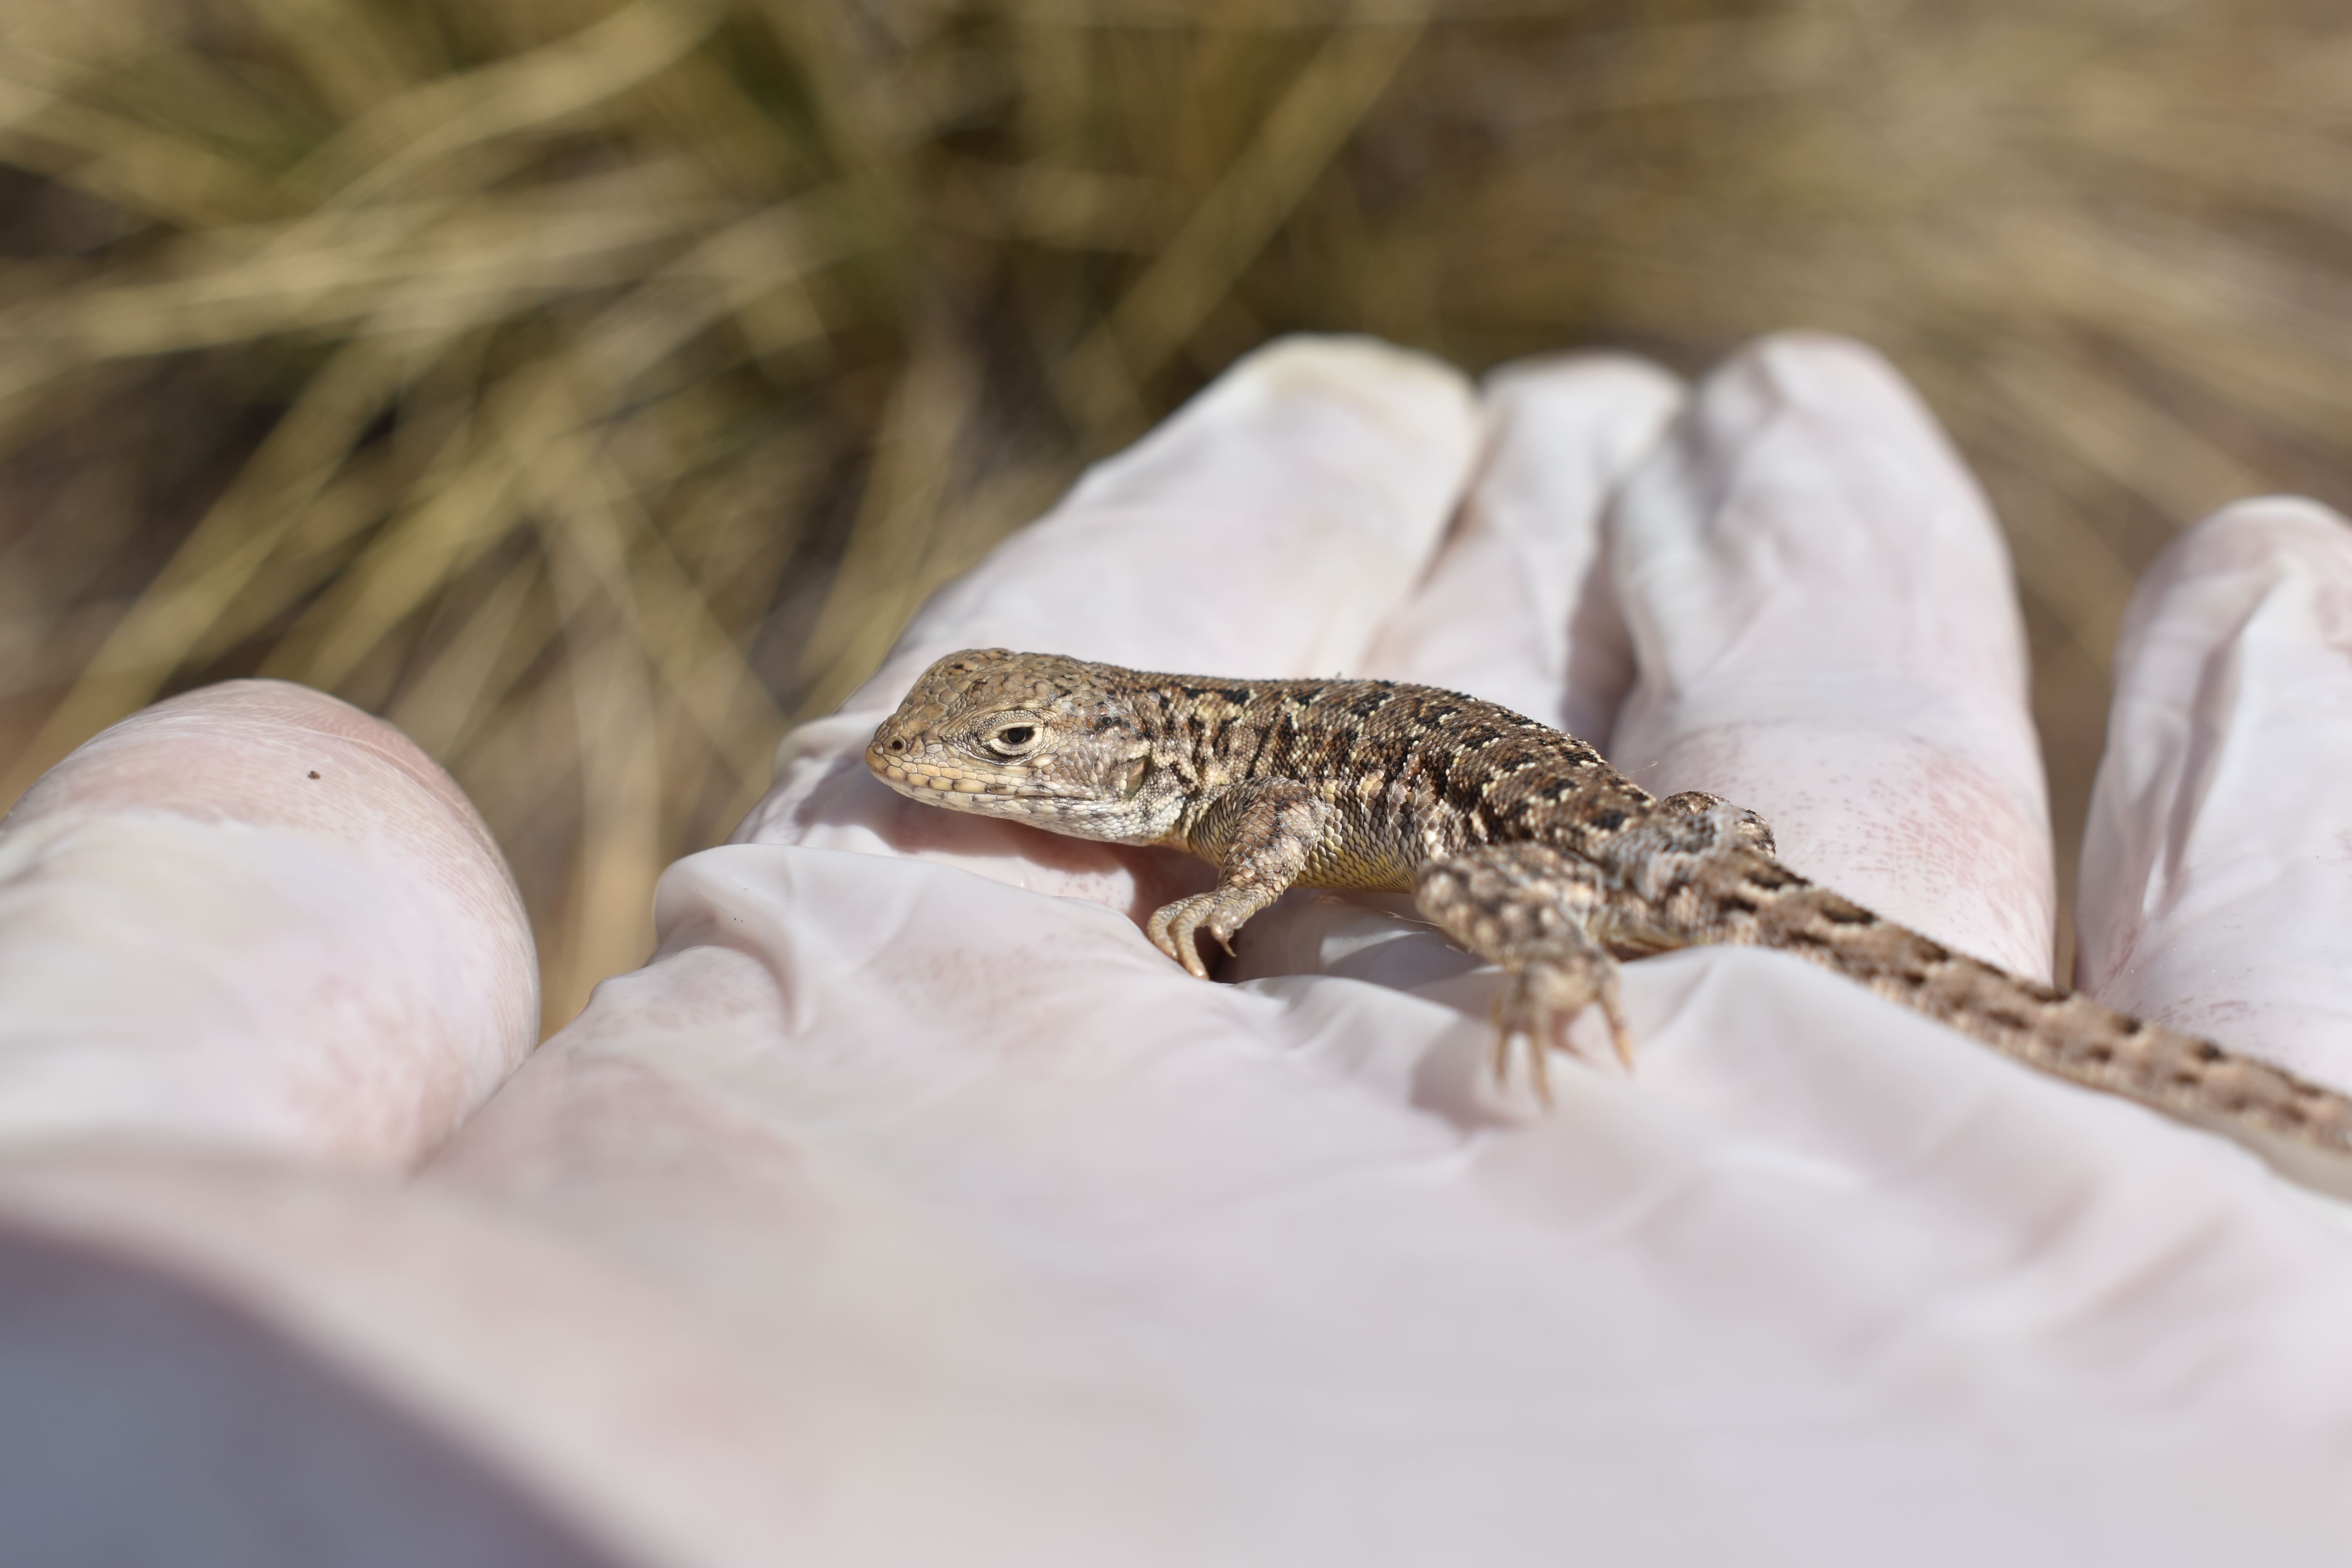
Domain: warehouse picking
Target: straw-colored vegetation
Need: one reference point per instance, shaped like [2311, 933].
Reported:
[591, 387]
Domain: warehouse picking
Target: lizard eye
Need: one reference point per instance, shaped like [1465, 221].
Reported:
[1012, 740]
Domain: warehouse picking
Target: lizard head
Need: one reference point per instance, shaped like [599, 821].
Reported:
[1032, 736]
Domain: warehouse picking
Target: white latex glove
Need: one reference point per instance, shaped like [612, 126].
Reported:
[909, 1208]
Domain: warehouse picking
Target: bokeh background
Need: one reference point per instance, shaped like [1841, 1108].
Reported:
[593, 388]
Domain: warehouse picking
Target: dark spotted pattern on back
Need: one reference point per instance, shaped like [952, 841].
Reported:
[1454, 771]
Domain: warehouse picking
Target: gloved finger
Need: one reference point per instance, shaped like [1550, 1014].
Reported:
[1826, 631]
[1262, 531]
[2216, 864]
[1518, 607]
[254, 916]
[218, 1362]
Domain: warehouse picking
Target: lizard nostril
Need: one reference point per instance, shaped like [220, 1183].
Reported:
[899, 745]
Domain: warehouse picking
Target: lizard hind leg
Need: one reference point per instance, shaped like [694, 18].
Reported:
[1527, 908]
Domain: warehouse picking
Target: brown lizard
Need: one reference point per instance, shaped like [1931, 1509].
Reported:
[1521, 843]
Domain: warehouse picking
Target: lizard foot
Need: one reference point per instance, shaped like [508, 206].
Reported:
[1541, 996]
[1526, 907]
[1175, 929]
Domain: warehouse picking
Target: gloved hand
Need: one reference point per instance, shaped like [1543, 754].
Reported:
[908, 1207]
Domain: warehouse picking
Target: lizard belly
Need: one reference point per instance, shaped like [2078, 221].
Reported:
[1361, 861]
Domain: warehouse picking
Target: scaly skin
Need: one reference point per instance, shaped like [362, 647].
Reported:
[1520, 843]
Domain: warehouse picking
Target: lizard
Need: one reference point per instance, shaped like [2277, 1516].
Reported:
[1521, 844]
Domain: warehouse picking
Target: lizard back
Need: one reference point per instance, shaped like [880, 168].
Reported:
[1409, 773]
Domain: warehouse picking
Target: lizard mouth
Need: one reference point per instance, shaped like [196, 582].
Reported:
[911, 777]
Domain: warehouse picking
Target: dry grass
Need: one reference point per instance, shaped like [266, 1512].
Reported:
[591, 388]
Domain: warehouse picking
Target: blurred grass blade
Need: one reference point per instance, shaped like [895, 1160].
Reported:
[1301, 135]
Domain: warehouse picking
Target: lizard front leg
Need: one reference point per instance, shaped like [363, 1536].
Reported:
[1530, 909]
[1259, 838]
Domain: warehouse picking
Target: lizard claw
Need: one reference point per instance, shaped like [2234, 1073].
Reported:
[1507, 1033]
[1619, 1037]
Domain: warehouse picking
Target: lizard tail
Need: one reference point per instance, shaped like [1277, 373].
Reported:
[2303, 1130]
